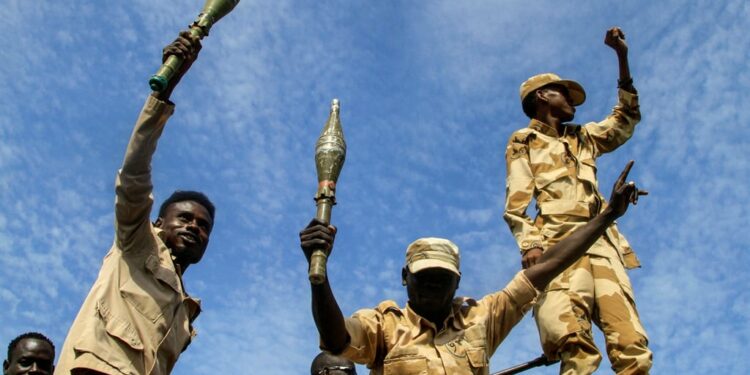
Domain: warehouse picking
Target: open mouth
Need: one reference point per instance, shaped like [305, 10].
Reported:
[189, 237]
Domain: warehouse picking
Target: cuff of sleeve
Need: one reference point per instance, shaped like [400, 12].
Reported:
[154, 105]
[628, 99]
[348, 348]
[524, 291]
[526, 245]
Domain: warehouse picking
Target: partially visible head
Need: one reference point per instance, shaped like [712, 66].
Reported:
[431, 274]
[328, 364]
[533, 89]
[30, 353]
[187, 218]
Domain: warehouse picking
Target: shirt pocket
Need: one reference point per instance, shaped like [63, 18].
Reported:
[475, 339]
[148, 294]
[118, 343]
[587, 171]
[477, 358]
[405, 365]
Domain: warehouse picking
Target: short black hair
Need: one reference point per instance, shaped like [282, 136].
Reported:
[326, 359]
[28, 335]
[188, 195]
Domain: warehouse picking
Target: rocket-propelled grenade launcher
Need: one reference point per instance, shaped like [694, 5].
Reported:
[330, 152]
[212, 12]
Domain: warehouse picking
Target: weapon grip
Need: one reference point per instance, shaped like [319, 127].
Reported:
[318, 261]
[160, 80]
[319, 258]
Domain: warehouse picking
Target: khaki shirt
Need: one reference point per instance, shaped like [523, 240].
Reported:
[137, 317]
[559, 172]
[392, 340]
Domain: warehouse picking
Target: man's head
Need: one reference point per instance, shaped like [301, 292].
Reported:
[328, 364]
[555, 94]
[431, 275]
[186, 218]
[30, 353]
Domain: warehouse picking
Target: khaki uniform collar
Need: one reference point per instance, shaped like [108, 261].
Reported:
[548, 130]
[177, 269]
[452, 320]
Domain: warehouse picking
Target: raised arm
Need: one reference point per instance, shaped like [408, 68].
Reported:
[328, 317]
[618, 127]
[133, 185]
[615, 38]
[567, 251]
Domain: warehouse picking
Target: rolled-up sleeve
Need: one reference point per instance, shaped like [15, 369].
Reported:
[365, 330]
[618, 127]
[507, 307]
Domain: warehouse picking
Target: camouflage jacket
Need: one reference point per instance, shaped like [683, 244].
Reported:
[393, 340]
[559, 172]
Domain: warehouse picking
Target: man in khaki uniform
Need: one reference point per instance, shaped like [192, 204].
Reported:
[137, 317]
[437, 334]
[554, 163]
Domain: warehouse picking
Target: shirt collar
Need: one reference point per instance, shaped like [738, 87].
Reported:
[452, 320]
[550, 131]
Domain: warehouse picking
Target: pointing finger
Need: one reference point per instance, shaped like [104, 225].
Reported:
[624, 174]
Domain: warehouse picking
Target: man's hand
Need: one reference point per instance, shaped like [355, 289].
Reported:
[624, 193]
[317, 236]
[531, 256]
[615, 38]
[186, 46]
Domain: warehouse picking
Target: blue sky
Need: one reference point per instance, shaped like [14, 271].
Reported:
[429, 96]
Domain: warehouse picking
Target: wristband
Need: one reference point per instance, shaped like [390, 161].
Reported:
[625, 83]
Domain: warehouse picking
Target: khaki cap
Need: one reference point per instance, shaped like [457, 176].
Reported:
[431, 252]
[577, 95]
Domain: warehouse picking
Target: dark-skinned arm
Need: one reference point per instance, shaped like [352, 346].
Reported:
[615, 38]
[328, 317]
[566, 252]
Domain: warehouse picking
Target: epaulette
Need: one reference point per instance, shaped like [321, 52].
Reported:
[523, 135]
[468, 301]
[389, 306]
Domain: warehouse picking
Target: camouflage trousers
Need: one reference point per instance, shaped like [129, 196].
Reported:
[597, 289]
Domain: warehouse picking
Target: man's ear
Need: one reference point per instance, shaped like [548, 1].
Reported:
[403, 276]
[458, 282]
[541, 96]
[158, 222]
[6, 365]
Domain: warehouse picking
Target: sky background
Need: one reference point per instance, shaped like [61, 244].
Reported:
[429, 96]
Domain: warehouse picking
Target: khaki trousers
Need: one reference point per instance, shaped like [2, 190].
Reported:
[596, 289]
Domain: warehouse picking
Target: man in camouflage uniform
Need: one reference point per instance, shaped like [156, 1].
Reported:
[437, 334]
[554, 163]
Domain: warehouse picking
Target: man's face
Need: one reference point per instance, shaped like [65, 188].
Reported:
[187, 226]
[430, 290]
[31, 356]
[559, 102]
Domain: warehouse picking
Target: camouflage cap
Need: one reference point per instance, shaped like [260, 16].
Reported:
[431, 252]
[577, 95]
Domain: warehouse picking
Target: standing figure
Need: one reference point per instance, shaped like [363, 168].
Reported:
[436, 333]
[137, 318]
[30, 353]
[554, 163]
